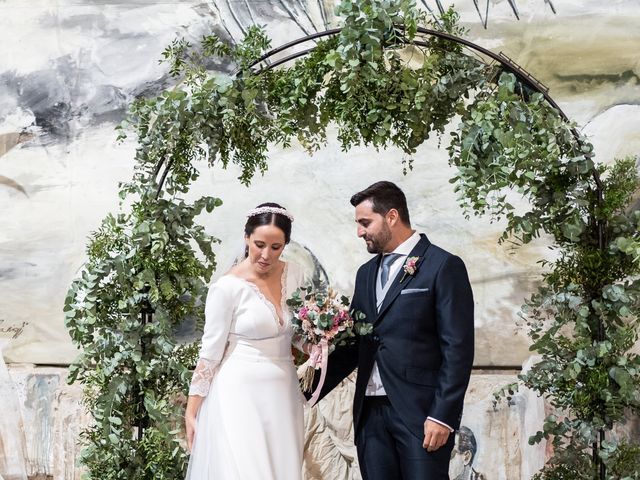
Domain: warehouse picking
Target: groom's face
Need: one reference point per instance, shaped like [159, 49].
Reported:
[372, 227]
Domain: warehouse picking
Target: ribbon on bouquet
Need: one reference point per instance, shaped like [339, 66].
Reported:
[311, 363]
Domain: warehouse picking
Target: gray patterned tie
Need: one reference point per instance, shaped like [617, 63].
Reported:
[387, 261]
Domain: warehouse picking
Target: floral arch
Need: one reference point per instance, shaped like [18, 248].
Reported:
[388, 76]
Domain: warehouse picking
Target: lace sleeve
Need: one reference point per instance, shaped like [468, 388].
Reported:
[202, 377]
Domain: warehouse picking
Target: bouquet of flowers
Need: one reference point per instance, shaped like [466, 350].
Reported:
[321, 318]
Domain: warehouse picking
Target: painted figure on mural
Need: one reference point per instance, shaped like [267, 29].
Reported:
[244, 415]
[463, 455]
[413, 370]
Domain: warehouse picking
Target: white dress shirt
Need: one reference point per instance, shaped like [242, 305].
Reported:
[375, 386]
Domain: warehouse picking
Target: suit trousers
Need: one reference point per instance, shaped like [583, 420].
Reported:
[387, 450]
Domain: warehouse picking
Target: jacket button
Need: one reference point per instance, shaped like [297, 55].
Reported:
[376, 338]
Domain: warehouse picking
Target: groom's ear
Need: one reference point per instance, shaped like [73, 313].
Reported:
[392, 217]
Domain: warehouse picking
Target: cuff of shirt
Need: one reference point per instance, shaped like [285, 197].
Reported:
[441, 423]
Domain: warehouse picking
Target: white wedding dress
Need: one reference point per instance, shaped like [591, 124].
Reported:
[250, 424]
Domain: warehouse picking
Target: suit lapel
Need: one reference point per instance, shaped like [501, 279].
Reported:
[396, 287]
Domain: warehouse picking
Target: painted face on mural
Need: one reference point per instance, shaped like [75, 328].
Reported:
[456, 466]
[265, 245]
[460, 463]
[373, 228]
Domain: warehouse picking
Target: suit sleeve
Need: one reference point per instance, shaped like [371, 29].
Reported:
[344, 360]
[454, 317]
[341, 363]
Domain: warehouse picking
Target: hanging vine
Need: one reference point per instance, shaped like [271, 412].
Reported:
[379, 89]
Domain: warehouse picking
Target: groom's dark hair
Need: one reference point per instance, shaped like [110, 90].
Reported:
[384, 196]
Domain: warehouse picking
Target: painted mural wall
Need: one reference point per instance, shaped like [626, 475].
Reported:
[69, 68]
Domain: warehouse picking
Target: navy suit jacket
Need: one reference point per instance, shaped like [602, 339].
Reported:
[422, 340]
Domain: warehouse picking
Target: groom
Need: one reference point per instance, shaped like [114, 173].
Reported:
[414, 368]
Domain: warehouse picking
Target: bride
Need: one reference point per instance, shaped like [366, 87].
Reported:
[244, 416]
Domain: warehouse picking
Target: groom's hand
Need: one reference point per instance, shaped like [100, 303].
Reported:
[435, 435]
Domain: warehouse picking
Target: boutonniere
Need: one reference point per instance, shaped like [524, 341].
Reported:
[410, 267]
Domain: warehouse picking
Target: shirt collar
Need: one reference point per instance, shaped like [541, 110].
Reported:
[408, 245]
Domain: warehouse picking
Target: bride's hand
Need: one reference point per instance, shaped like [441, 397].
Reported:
[190, 424]
[190, 415]
[315, 355]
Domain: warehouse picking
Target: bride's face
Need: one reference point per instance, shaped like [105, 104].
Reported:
[265, 245]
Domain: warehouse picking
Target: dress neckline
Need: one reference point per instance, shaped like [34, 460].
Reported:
[283, 287]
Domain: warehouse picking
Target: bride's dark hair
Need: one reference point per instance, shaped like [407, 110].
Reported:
[269, 218]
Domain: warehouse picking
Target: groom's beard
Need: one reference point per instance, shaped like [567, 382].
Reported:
[377, 243]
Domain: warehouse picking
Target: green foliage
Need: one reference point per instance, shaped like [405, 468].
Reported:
[497, 152]
[139, 261]
[378, 89]
[574, 463]
[359, 80]
[583, 322]
[624, 461]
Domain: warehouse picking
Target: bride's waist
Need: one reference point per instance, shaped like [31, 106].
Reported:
[276, 349]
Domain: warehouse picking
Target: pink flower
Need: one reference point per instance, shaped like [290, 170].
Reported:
[410, 267]
[323, 316]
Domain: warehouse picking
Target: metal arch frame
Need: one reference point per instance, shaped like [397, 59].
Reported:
[509, 65]
[521, 74]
